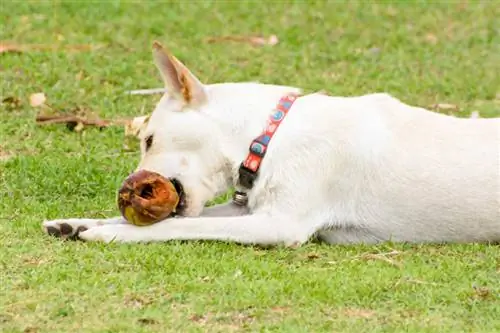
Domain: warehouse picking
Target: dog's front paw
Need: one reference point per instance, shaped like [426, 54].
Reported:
[67, 228]
[71, 228]
[120, 233]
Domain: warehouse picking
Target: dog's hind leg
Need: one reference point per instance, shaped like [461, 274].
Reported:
[70, 228]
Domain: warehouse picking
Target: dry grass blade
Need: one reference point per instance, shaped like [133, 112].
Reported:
[382, 257]
[415, 281]
[372, 256]
[6, 47]
[253, 40]
[444, 106]
[359, 313]
[75, 120]
[63, 119]
[147, 91]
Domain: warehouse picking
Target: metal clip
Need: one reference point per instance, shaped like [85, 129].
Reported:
[240, 198]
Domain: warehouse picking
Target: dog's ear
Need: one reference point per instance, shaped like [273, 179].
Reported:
[179, 81]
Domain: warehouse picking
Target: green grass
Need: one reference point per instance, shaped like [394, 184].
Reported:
[447, 52]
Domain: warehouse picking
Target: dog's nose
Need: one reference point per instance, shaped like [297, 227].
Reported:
[147, 197]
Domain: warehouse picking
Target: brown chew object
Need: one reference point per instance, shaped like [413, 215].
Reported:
[147, 197]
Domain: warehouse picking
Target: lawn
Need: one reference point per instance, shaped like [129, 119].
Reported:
[423, 53]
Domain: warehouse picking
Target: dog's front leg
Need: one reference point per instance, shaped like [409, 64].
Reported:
[248, 229]
[70, 228]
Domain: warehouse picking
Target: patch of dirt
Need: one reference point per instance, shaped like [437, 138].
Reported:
[4, 156]
[228, 320]
[280, 309]
[483, 293]
[137, 302]
[358, 313]
[200, 319]
[35, 261]
[12, 103]
[141, 301]
[5, 318]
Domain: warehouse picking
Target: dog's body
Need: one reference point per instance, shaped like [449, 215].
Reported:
[346, 169]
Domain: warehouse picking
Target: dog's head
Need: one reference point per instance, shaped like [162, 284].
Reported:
[198, 134]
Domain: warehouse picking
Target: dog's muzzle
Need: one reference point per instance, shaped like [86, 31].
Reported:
[147, 197]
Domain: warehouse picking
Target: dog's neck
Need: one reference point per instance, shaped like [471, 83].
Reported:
[243, 116]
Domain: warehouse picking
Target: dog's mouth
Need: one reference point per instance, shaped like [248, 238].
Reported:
[181, 206]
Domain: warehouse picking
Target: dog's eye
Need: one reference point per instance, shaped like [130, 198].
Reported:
[149, 142]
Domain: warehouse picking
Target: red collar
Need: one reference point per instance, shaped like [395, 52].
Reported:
[250, 167]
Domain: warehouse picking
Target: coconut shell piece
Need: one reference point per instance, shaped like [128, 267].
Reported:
[147, 197]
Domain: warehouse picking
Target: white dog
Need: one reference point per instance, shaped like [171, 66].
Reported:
[361, 169]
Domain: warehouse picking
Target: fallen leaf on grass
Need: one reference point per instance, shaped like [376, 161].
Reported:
[253, 40]
[37, 99]
[312, 255]
[134, 126]
[147, 321]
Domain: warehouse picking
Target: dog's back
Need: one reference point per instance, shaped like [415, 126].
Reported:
[387, 170]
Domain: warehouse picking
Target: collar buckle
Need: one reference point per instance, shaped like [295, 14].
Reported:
[246, 176]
